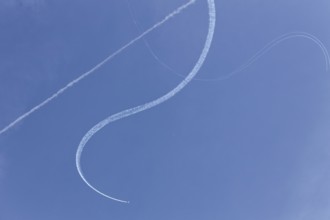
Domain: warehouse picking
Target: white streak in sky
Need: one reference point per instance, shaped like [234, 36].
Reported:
[143, 107]
[274, 43]
[252, 59]
[73, 82]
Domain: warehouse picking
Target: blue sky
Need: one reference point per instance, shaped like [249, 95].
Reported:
[253, 146]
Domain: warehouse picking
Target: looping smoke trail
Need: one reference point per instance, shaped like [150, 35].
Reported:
[143, 107]
[274, 43]
[250, 61]
[99, 65]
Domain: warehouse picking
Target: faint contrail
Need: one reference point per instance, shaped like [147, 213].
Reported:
[148, 105]
[272, 44]
[73, 82]
[146, 43]
[252, 59]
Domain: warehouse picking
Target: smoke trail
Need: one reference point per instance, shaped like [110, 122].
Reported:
[73, 82]
[250, 61]
[148, 105]
[255, 57]
[274, 43]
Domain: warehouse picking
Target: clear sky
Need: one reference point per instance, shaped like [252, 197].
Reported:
[252, 146]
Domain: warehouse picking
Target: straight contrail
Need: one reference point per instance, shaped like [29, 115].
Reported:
[148, 105]
[92, 70]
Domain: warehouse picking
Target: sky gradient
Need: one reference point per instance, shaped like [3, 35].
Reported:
[253, 146]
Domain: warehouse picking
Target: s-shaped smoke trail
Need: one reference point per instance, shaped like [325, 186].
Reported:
[143, 107]
[73, 82]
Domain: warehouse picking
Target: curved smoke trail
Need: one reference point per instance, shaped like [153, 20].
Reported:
[252, 59]
[274, 43]
[99, 65]
[143, 107]
[247, 63]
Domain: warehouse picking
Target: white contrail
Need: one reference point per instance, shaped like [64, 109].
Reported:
[73, 82]
[143, 107]
[252, 59]
[274, 43]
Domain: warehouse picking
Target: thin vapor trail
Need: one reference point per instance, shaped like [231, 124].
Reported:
[253, 58]
[92, 70]
[274, 43]
[250, 61]
[146, 43]
[148, 105]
